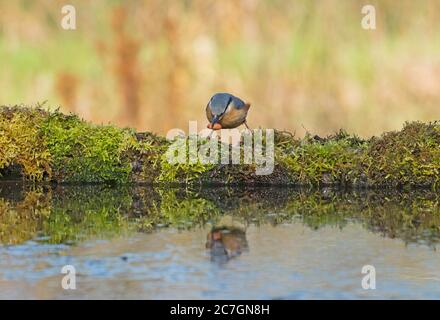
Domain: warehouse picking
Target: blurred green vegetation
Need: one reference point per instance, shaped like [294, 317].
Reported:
[154, 64]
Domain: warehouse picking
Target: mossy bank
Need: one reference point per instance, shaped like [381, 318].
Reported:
[42, 146]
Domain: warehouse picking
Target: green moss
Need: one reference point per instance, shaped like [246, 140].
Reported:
[333, 160]
[41, 145]
[82, 152]
[410, 157]
[21, 143]
[407, 157]
[186, 171]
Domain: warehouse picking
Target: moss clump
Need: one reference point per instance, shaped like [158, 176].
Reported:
[82, 152]
[22, 145]
[407, 157]
[144, 155]
[186, 171]
[334, 160]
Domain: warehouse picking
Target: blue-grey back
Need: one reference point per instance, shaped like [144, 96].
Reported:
[220, 101]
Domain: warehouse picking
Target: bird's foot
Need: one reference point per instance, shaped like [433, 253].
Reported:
[247, 127]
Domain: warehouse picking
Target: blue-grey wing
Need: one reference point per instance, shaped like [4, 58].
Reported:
[219, 102]
[238, 103]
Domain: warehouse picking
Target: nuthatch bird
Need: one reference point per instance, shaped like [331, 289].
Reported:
[225, 111]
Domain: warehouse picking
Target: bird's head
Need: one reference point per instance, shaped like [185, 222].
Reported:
[218, 106]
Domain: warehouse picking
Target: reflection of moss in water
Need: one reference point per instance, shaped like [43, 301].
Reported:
[21, 221]
[186, 212]
[72, 214]
[79, 213]
[409, 216]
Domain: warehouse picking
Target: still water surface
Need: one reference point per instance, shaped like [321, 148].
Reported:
[217, 244]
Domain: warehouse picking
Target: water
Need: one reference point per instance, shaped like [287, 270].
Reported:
[217, 243]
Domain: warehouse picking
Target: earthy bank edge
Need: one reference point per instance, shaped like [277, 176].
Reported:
[38, 145]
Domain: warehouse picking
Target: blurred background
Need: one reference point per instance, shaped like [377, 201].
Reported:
[153, 65]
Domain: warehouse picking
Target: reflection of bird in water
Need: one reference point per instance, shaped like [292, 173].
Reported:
[226, 243]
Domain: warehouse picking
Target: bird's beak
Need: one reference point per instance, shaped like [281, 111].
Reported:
[215, 119]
